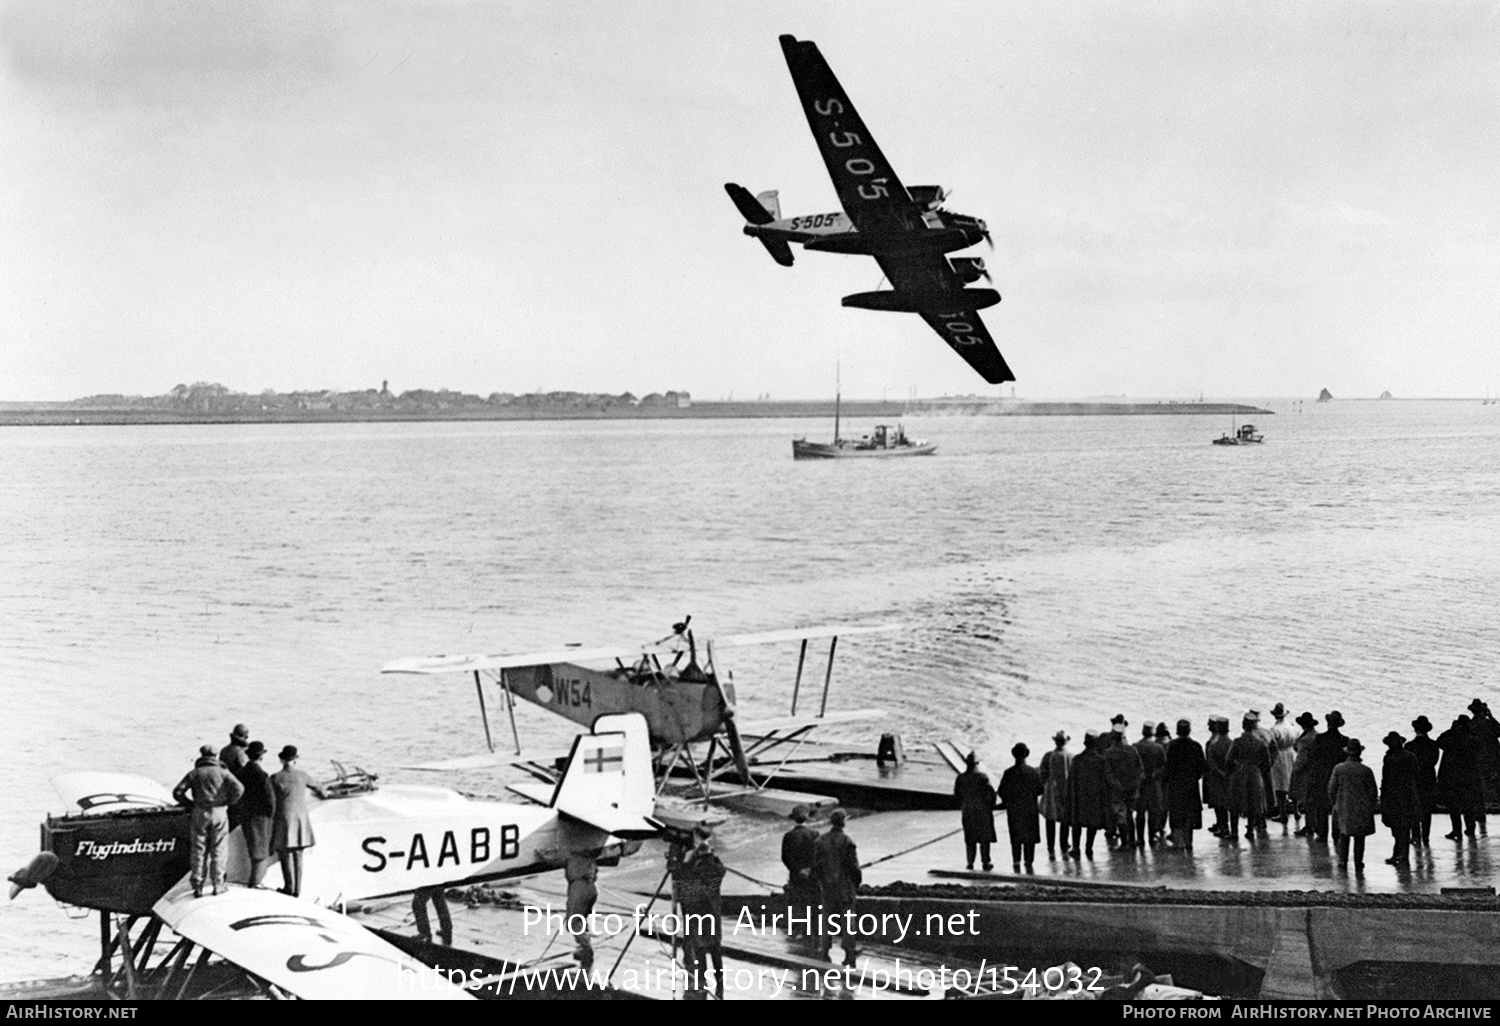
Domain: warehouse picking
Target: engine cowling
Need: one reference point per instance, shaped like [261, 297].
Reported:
[969, 269]
[930, 197]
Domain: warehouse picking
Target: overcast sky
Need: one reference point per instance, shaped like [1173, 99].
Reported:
[1236, 199]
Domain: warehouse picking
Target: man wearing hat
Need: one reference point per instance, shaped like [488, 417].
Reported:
[836, 865]
[1123, 767]
[1352, 794]
[1151, 801]
[1283, 757]
[580, 872]
[1184, 769]
[1309, 724]
[801, 886]
[1426, 750]
[1487, 734]
[234, 756]
[1327, 752]
[1118, 723]
[1216, 775]
[1053, 769]
[291, 829]
[1400, 804]
[257, 812]
[699, 883]
[208, 790]
[1088, 794]
[976, 803]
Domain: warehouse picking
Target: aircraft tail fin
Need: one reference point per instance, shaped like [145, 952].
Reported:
[608, 782]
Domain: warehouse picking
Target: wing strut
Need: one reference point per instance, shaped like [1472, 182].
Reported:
[510, 705]
[731, 732]
[801, 657]
[828, 677]
[483, 713]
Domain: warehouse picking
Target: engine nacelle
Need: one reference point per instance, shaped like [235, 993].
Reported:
[968, 269]
[929, 197]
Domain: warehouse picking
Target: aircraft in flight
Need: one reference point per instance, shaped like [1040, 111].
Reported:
[123, 851]
[684, 703]
[904, 228]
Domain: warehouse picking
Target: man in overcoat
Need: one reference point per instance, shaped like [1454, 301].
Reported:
[1054, 769]
[1427, 752]
[1088, 794]
[836, 862]
[976, 803]
[1184, 769]
[1020, 787]
[1352, 796]
[1151, 802]
[1400, 802]
[797, 856]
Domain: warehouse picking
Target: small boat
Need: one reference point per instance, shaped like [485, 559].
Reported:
[1246, 435]
[888, 440]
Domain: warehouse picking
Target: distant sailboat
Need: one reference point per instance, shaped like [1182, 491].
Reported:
[1324, 396]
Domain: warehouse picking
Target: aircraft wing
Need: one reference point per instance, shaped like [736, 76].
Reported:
[757, 728]
[95, 792]
[968, 336]
[801, 634]
[510, 660]
[868, 188]
[307, 950]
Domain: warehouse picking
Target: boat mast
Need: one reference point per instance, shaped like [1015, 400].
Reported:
[836, 389]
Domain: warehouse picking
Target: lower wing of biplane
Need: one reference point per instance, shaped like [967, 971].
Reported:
[683, 703]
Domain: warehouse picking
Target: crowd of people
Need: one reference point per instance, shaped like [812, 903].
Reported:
[232, 788]
[1152, 792]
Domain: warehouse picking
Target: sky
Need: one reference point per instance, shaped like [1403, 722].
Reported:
[1233, 200]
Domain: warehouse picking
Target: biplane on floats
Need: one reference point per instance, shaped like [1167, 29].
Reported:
[684, 702]
[123, 850]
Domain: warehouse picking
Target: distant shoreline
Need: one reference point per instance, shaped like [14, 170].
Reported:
[65, 414]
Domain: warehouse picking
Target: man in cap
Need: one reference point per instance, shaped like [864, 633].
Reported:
[234, 756]
[1181, 784]
[208, 790]
[797, 856]
[976, 803]
[699, 881]
[1427, 752]
[836, 865]
[1151, 802]
[1400, 804]
[1053, 769]
[1216, 775]
[1122, 766]
[1352, 794]
[581, 871]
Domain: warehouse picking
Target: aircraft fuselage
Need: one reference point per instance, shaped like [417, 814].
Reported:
[677, 711]
[934, 231]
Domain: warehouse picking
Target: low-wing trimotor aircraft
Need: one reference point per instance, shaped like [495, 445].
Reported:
[905, 228]
[683, 703]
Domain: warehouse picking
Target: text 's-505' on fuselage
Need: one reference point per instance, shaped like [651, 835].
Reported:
[906, 230]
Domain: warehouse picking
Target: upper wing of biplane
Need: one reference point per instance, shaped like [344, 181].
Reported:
[869, 190]
[307, 950]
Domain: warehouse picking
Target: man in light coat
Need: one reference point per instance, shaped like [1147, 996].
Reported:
[1353, 795]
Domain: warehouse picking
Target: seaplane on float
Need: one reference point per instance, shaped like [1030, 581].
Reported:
[684, 703]
[123, 851]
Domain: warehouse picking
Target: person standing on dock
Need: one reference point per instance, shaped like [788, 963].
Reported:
[1184, 769]
[1123, 770]
[1088, 794]
[699, 884]
[292, 830]
[1020, 787]
[976, 803]
[1283, 758]
[1151, 803]
[1327, 752]
[257, 812]
[836, 860]
[1400, 802]
[797, 846]
[1487, 738]
[1309, 724]
[208, 789]
[1427, 752]
[1249, 762]
[1458, 780]
[1352, 796]
[1054, 773]
[581, 872]
[1216, 774]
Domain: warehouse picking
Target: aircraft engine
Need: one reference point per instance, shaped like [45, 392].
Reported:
[969, 269]
[929, 196]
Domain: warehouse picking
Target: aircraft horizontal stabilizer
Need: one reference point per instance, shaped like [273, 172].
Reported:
[749, 207]
[780, 251]
[95, 792]
[307, 950]
[608, 782]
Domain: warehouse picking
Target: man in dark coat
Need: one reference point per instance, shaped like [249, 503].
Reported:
[1122, 767]
[1184, 769]
[1400, 803]
[1020, 787]
[1249, 761]
[209, 789]
[1151, 802]
[976, 803]
[699, 881]
[1352, 798]
[1088, 794]
[836, 865]
[1487, 739]
[1054, 773]
[257, 812]
[801, 886]
[1427, 752]
[234, 756]
[1327, 751]
[1458, 778]
[1216, 774]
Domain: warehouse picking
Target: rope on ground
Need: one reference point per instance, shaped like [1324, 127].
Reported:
[747, 876]
[908, 851]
